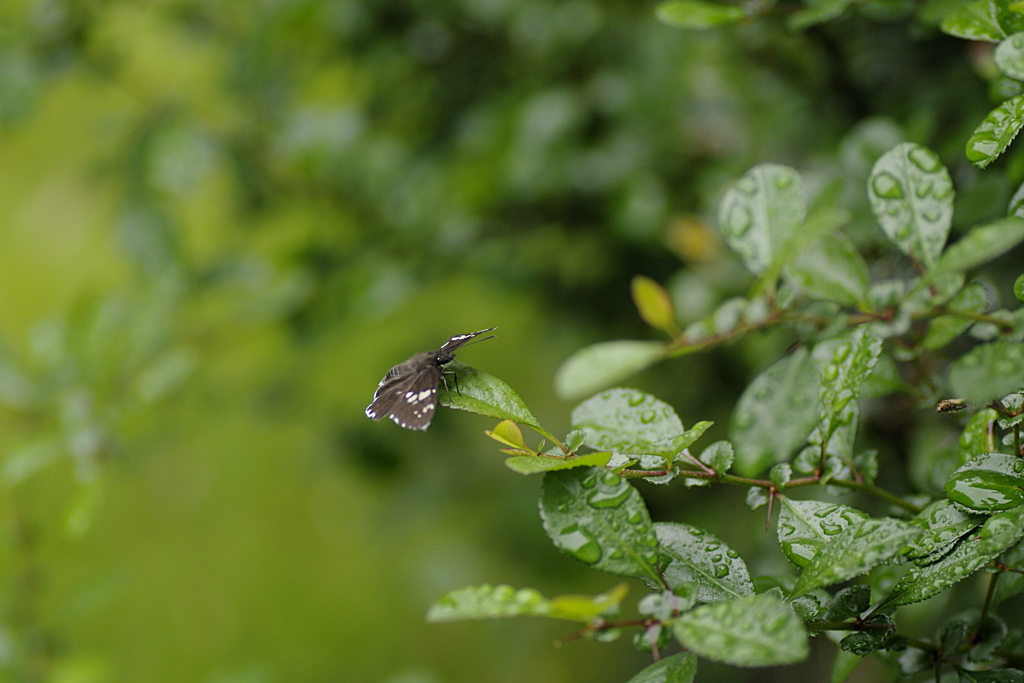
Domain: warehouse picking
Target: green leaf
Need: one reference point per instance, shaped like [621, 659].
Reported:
[776, 412]
[654, 304]
[507, 432]
[911, 195]
[976, 439]
[854, 551]
[601, 520]
[694, 14]
[945, 328]
[806, 525]
[1010, 584]
[831, 269]
[944, 524]
[718, 456]
[759, 630]
[488, 602]
[680, 668]
[535, 464]
[841, 382]
[1018, 285]
[989, 370]
[586, 608]
[849, 602]
[628, 421]
[485, 394]
[1000, 532]
[817, 12]
[698, 557]
[1009, 56]
[598, 366]
[990, 481]
[761, 212]
[996, 132]
[975, 21]
[980, 245]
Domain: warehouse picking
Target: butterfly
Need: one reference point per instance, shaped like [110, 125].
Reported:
[408, 393]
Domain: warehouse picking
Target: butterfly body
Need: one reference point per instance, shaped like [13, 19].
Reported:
[408, 392]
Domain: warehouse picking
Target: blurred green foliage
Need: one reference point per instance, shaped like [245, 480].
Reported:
[220, 223]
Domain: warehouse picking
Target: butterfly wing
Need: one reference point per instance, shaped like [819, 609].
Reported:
[409, 399]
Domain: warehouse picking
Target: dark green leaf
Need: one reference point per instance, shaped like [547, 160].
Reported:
[806, 525]
[535, 464]
[944, 524]
[996, 132]
[699, 557]
[759, 630]
[488, 602]
[1010, 584]
[601, 365]
[760, 213]
[485, 394]
[991, 676]
[694, 14]
[818, 12]
[628, 421]
[865, 642]
[854, 551]
[990, 481]
[601, 520]
[1000, 532]
[848, 603]
[680, 668]
[912, 197]
[775, 413]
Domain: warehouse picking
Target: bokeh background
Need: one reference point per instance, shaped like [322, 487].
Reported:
[222, 221]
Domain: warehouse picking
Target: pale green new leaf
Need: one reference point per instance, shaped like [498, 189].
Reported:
[911, 195]
[760, 214]
[601, 520]
[758, 630]
[806, 525]
[699, 557]
[854, 551]
[601, 365]
[996, 132]
[775, 413]
[484, 394]
[695, 14]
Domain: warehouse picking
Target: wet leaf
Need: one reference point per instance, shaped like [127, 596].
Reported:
[977, 20]
[484, 394]
[698, 557]
[680, 668]
[944, 524]
[760, 213]
[996, 132]
[854, 551]
[990, 481]
[832, 269]
[488, 602]
[1009, 56]
[776, 412]
[601, 365]
[629, 421]
[535, 464]
[601, 520]
[988, 370]
[976, 438]
[507, 432]
[695, 14]
[806, 525]
[758, 630]
[911, 195]
[979, 246]
[1001, 531]
[848, 603]
[841, 381]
